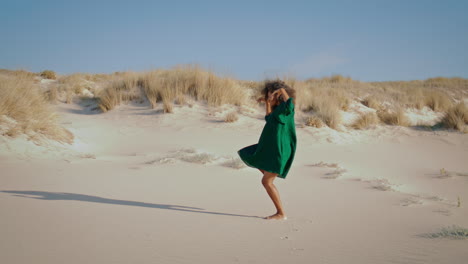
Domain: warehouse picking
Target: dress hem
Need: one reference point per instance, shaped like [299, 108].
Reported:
[255, 167]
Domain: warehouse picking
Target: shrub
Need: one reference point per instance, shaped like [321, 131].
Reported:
[456, 117]
[371, 102]
[123, 88]
[231, 117]
[365, 121]
[397, 118]
[24, 110]
[173, 85]
[327, 110]
[437, 101]
[167, 106]
[48, 74]
[313, 121]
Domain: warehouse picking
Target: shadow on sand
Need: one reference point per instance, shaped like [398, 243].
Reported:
[96, 199]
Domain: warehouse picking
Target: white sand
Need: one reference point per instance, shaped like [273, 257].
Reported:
[139, 186]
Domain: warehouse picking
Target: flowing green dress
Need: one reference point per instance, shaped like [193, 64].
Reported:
[277, 144]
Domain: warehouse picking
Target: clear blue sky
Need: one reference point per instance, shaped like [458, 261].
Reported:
[367, 40]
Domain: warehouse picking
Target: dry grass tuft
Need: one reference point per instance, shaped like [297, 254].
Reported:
[52, 94]
[451, 232]
[194, 82]
[48, 74]
[70, 86]
[123, 88]
[313, 121]
[167, 107]
[371, 102]
[396, 118]
[174, 85]
[231, 117]
[337, 78]
[365, 121]
[437, 101]
[456, 117]
[24, 110]
[18, 73]
[327, 110]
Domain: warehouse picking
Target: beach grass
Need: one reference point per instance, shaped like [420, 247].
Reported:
[322, 100]
[24, 110]
[451, 232]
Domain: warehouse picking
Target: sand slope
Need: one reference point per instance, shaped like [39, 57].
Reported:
[139, 186]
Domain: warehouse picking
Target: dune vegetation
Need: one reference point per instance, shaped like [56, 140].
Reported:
[24, 110]
[25, 97]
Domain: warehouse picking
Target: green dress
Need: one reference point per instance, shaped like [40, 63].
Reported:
[277, 144]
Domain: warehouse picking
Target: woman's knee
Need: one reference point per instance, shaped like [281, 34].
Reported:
[265, 181]
[268, 178]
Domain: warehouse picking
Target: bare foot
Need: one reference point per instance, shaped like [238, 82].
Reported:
[276, 217]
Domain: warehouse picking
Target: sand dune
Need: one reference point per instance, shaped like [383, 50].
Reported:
[140, 186]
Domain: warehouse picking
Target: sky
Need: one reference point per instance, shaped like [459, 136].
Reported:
[377, 40]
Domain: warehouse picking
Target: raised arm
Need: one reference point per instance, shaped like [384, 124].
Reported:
[267, 107]
[274, 96]
[267, 104]
[284, 94]
[280, 92]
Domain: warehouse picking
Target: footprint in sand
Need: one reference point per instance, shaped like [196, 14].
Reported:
[410, 201]
[381, 185]
[338, 172]
[191, 155]
[443, 211]
[334, 174]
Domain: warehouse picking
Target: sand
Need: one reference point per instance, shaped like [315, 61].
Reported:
[140, 186]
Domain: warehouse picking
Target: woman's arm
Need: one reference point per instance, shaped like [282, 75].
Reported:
[267, 104]
[267, 107]
[284, 94]
[280, 92]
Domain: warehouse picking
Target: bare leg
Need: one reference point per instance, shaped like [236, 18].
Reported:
[267, 182]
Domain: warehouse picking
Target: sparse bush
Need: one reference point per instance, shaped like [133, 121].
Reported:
[231, 117]
[340, 98]
[52, 94]
[167, 106]
[123, 88]
[365, 121]
[337, 78]
[437, 101]
[192, 81]
[396, 118]
[313, 121]
[174, 85]
[48, 74]
[456, 117]
[24, 110]
[371, 102]
[69, 86]
[18, 73]
[327, 110]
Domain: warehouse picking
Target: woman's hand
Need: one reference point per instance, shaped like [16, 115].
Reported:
[278, 95]
[274, 95]
[261, 100]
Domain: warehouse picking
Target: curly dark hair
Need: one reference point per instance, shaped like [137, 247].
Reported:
[273, 85]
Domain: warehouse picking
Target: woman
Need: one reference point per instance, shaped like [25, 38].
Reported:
[274, 153]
